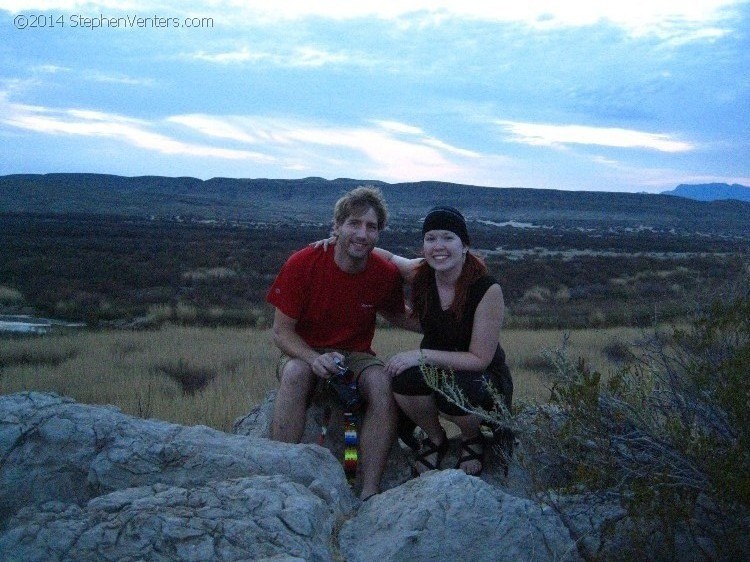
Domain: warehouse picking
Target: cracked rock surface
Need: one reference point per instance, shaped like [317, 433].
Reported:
[239, 519]
[53, 449]
[82, 482]
[453, 516]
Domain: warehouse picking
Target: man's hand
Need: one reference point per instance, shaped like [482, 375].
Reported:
[324, 365]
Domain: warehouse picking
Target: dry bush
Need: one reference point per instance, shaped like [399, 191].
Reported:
[10, 296]
[597, 318]
[16, 356]
[618, 351]
[537, 294]
[185, 313]
[562, 295]
[192, 378]
[204, 275]
[525, 349]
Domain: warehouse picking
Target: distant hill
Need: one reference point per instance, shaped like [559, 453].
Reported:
[311, 200]
[711, 191]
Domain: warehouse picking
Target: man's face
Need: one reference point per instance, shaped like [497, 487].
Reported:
[357, 235]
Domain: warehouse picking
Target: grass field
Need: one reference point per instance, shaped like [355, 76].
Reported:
[211, 376]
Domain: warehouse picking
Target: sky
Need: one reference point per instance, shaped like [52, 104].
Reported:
[635, 96]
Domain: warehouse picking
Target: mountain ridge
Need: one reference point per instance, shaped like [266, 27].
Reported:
[311, 200]
[711, 191]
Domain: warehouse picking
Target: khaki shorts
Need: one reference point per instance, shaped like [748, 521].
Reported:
[357, 361]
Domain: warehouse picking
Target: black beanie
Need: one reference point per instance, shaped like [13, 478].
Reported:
[446, 218]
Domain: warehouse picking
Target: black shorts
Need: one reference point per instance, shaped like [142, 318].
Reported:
[472, 383]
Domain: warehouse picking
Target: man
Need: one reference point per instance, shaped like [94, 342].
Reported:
[326, 303]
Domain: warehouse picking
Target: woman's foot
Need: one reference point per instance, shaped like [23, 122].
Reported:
[430, 455]
[471, 458]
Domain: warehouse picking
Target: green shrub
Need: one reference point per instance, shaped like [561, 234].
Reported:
[669, 434]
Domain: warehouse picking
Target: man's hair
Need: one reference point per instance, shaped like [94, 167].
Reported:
[358, 201]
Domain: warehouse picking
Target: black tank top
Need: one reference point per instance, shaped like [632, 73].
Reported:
[443, 332]
[441, 329]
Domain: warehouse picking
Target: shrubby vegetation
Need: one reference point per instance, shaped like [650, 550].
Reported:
[106, 269]
[667, 437]
[100, 269]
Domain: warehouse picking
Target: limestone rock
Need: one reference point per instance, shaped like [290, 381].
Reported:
[239, 519]
[53, 449]
[447, 515]
[84, 482]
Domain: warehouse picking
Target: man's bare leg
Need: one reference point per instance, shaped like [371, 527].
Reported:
[378, 431]
[290, 408]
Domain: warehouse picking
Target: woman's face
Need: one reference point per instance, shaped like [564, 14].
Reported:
[443, 250]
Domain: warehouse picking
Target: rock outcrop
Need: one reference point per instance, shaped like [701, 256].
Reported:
[447, 515]
[82, 482]
[238, 519]
[52, 448]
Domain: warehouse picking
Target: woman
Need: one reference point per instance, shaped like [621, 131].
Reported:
[460, 310]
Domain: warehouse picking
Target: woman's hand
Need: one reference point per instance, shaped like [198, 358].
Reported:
[406, 267]
[402, 361]
[325, 242]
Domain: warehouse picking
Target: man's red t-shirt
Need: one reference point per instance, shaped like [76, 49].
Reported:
[335, 309]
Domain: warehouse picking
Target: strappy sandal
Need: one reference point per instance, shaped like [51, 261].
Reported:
[428, 449]
[405, 430]
[472, 450]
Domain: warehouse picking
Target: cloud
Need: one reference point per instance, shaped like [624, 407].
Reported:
[91, 75]
[134, 132]
[116, 78]
[556, 135]
[214, 127]
[50, 69]
[21, 6]
[403, 129]
[397, 127]
[383, 149]
[231, 57]
[304, 56]
[637, 15]
[381, 153]
[387, 149]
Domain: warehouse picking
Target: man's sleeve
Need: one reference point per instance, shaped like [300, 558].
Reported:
[286, 292]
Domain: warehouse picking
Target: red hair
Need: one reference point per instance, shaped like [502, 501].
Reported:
[424, 278]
